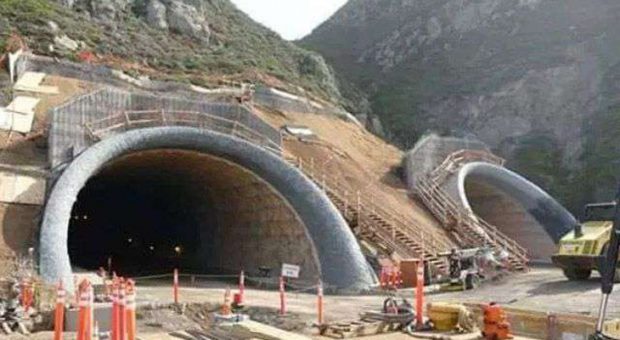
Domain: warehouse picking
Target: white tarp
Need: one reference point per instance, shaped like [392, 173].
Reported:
[299, 131]
[31, 82]
[19, 115]
[22, 189]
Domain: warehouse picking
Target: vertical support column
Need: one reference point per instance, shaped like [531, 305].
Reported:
[175, 285]
[241, 287]
[282, 296]
[419, 295]
[319, 303]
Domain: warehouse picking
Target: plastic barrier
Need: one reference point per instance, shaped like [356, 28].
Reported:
[130, 307]
[59, 313]
[85, 320]
[390, 277]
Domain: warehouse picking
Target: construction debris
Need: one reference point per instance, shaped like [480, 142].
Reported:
[451, 317]
[299, 131]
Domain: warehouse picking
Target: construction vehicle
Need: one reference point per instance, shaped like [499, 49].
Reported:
[580, 250]
[464, 268]
[608, 268]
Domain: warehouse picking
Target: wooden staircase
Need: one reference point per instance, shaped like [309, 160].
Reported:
[384, 228]
[469, 230]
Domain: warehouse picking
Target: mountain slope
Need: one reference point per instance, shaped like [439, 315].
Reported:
[198, 41]
[535, 79]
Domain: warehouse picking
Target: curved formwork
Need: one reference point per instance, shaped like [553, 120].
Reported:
[470, 191]
[517, 207]
[244, 207]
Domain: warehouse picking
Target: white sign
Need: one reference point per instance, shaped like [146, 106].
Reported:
[290, 270]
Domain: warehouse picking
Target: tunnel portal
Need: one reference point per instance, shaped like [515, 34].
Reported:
[154, 210]
[163, 197]
[513, 220]
[516, 206]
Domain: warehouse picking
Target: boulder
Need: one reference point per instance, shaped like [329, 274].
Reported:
[53, 26]
[66, 43]
[185, 19]
[156, 14]
[67, 3]
[108, 10]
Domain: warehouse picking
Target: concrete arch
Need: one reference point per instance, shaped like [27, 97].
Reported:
[518, 207]
[339, 257]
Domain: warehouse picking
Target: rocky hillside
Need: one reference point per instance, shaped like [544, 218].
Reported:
[197, 41]
[538, 80]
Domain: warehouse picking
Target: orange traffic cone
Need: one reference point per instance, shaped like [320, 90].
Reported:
[130, 308]
[59, 313]
[85, 311]
[226, 308]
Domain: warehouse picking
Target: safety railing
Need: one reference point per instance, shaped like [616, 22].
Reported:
[464, 218]
[402, 234]
[473, 230]
[457, 159]
[128, 120]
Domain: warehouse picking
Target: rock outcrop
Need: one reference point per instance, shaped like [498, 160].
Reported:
[530, 78]
[184, 17]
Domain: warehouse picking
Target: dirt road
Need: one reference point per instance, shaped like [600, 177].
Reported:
[542, 289]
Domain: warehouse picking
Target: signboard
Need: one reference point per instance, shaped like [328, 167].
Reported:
[290, 270]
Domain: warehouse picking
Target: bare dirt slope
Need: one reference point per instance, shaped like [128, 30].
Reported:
[30, 149]
[20, 152]
[352, 155]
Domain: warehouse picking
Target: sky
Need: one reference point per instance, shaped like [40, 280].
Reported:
[293, 19]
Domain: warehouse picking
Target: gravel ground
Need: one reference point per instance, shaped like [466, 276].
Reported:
[542, 289]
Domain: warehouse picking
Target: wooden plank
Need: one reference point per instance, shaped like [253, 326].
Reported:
[262, 331]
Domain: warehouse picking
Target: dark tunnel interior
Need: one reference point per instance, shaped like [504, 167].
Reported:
[156, 210]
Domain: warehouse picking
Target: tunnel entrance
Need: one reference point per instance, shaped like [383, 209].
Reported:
[245, 205]
[502, 210]
[151, 211]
